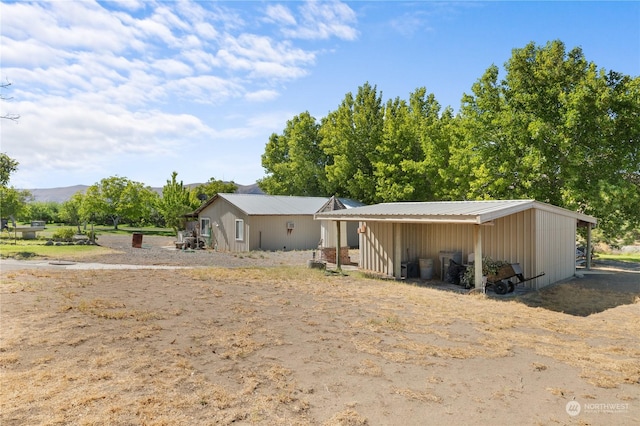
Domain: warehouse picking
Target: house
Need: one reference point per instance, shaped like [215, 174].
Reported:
[246, 222]
[540, 237]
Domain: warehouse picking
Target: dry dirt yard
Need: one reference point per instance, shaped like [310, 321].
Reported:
[261, 339]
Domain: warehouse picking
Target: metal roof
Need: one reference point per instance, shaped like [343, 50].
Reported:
[445, 211]
[262, 204]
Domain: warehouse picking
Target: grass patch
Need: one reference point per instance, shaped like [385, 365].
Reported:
[35, 249]
[622, 257]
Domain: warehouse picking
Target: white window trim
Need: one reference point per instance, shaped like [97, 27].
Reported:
[205, 229]
[239, 230]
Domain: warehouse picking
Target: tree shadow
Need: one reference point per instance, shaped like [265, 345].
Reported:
[576, 298]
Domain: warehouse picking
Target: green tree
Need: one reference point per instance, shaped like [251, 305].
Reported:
[118, 198]
[7, 166]
[12, 201]
[41, 210]
[414, 149]
[214, 186]
[556, 129]
[294, 160]
[70, 210]
[350, 137]
[176, 201]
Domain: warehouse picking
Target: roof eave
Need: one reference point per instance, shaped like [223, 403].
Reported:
[400, 219]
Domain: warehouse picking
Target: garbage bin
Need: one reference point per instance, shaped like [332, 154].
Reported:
[136, 241]
[426, 269]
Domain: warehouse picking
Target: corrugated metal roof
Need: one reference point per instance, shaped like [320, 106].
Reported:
[444, 211]
[261, 204]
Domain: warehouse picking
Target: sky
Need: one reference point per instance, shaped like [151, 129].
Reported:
[139, 89]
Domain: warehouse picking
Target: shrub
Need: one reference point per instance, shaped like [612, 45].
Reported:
[64, 234]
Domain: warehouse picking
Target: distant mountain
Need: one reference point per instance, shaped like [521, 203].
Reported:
[57, 194]
[60, 195]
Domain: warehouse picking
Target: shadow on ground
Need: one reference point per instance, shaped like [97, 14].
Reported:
[607, 286]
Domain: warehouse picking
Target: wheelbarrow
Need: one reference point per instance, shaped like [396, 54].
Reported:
[501, 280]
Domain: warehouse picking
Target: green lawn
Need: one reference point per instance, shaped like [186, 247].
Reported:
[627, 257]
[50, 229]
[12, 247]
[33, 249]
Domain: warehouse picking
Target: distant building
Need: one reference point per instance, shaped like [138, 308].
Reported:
[246, 222]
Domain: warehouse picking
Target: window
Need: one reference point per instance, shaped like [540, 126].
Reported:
[205, 226]
[239, 230]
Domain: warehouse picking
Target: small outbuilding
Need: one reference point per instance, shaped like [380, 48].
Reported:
[539, 236]
[246, 222]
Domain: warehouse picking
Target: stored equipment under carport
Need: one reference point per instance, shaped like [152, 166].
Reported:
[501, 279]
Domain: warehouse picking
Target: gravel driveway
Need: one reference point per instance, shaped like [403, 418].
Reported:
[157, 250]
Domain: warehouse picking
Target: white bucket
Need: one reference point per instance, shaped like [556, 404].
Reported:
[426, 269]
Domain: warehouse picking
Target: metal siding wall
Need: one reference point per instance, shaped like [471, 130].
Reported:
[511, 239]
[376, 252]
[555, 247]
[328, 233]
[304, 236]
[431, 239]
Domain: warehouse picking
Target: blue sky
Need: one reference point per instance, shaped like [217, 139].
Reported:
[142, 88]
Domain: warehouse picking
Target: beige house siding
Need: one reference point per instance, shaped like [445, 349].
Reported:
[260, 232]
[222, 216]
[540, 241]
[270, 233]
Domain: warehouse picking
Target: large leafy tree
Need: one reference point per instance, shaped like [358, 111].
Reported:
[70, 210]
[350, 137]
[294, 160]
[414, 149]
[559, 130]
[556, 128]
[118, 198]
[7, 166]
[176, 201]
[12, 201]
[398, 150]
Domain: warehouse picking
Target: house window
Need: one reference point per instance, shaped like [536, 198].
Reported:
[239, 230]
[205, 226]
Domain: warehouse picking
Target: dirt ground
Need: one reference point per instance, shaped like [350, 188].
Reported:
[261, 339]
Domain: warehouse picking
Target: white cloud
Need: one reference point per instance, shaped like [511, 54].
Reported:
[96, 83]
[323, 20]
[261, 95]
[279, 14]
[70, 135]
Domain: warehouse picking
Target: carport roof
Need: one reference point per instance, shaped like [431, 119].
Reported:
[446, 211]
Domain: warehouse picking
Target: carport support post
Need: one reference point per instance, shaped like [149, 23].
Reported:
[477, 257]
[588, 253]
[338, 261]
